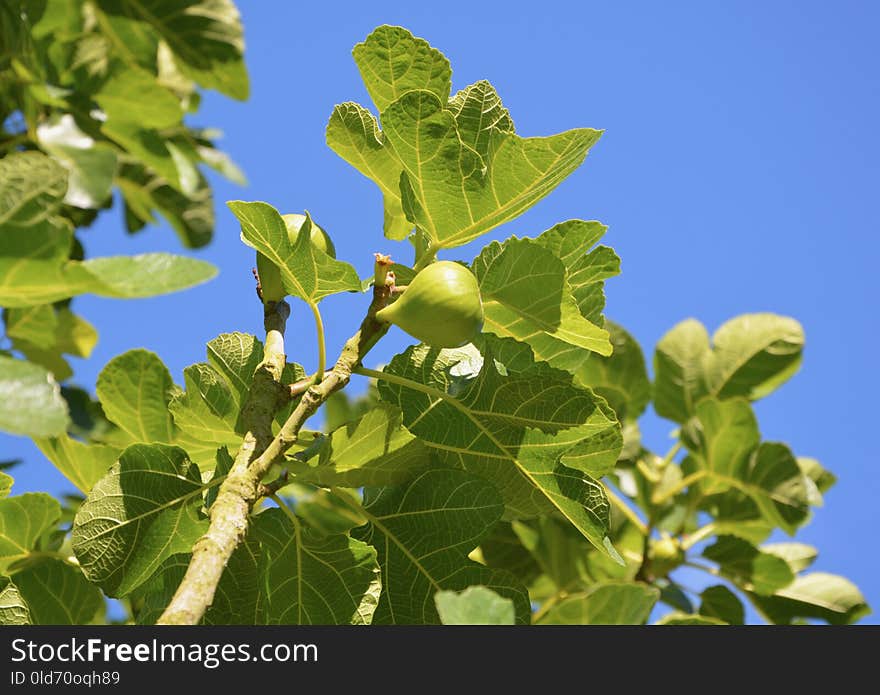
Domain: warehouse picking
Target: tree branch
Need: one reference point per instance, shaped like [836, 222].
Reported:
[259, 451]
[681, 485]
[298, 388]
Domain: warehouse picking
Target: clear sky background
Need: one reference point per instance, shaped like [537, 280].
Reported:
[738, 173]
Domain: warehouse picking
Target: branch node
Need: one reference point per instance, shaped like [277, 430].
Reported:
[269, 489]
[275, 315]
[382, 269]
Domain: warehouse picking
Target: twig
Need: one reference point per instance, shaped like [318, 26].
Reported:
[547, 606]
[670, 455]
[700, 566]
[700, 534]
[269, 489]
[683, 484]
[298, 388]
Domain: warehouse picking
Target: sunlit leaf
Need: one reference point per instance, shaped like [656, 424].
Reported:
[30, 400]
[511, 424]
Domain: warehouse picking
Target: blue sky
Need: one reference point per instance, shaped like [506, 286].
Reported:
[738, 173]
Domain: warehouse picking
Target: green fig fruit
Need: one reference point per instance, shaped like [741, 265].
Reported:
[270, 277]
[665, 554]
[440, 307]
[320, 239]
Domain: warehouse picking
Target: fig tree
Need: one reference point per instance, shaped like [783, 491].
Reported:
[441, 307]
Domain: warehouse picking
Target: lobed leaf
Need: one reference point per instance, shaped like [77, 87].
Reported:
[799, 556]
[43, 334]
[511, 424]
[146, 274]
[393, 62]
[354, 135]
[451, 193]
[237, 599]
[678, 370]
[191, 214]
[478, 113]
[723, 436]
[587, 267]
[753, 354]
[34, 324]
[422, 532]
[142, 512]
[132, 94]
[146, 146]
[526, 296]
[208, 411]
[236, 356]
[34, 268]
[314, 579]
[823, 479]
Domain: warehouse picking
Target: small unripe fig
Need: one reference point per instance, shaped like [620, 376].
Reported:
[440, 307]
[271, 289]
[665, 554]
[320, 239]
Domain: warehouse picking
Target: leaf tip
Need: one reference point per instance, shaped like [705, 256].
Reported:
[612, 551]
